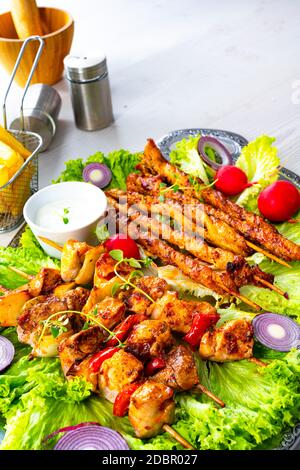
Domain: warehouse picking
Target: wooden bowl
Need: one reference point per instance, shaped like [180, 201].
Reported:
[58, 41]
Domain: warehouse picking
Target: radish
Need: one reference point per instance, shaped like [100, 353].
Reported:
[122, 242]
[279, 201]
[231, 180]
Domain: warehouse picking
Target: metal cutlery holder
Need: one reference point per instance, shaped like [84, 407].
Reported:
[14, 194]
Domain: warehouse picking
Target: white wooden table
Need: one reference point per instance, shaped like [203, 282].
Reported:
[231, 64]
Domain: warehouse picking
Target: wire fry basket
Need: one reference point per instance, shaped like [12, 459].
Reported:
[24, 182]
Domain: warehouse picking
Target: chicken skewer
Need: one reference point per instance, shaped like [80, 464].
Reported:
[221, 258]
[146, 184]
[219, 282]
[249, 224]
[211, 229]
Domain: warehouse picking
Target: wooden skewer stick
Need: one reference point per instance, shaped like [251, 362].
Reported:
[267, 254]
[177, 437]
[271, 286]
[29, 277]
[210, 395]
[258, 362]
[51, 243]
[242, 298]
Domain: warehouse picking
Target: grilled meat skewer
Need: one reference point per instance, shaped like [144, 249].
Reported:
[252, 226]
[237, 267]
[214, 231]
[218, 282]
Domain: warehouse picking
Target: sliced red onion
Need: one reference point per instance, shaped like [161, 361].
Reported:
[7, 352]
[276, 331]
[92, 438]
[98, 174]
[70, 428]
[218, 147]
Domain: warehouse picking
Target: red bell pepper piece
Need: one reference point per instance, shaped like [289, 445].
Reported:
[201, 322]
[154, 365]
[97, 359]
[122, 400]
[124, 328]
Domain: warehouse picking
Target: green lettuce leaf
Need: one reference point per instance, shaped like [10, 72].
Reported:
[121, 163]
[186, 157]
[29, 258]
[260, 403]
[259, 160]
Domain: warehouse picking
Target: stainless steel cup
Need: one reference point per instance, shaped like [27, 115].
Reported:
[41, 115]
[90, 91]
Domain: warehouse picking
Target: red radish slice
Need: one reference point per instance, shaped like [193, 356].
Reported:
[276, 331]
[92, 438]
[97, 174]
[7, 352]
[218, 147]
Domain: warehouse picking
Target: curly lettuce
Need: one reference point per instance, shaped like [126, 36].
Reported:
[186, 157]
[120, 162]
[259, 160]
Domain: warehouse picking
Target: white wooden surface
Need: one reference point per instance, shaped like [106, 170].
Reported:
[231, 64]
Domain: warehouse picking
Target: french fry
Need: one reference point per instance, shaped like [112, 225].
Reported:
[10, 140]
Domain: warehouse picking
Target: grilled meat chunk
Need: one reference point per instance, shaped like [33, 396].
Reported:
[74, 352]
[115, 373]
[78, 261]
[149, 339]
[109, 311]
[231, 342]
[180, 372]
[136, 302]
[178, 314]
[42, 307]
[44, 282]
[151, 406]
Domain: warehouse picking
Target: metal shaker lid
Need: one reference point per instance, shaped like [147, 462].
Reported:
[84, 69]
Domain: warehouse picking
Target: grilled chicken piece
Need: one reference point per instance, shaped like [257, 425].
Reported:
[136, 302]
[178, 314]
[180, 372]
[109, 312]
[149, 339]
[44, 282]
[251, 225]
[36, 310]
[151, 406]
[78, 261]
[115, 373]
[231, 342]
[74, 353]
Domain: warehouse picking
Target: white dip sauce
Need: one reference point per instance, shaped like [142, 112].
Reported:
[276, 331]
[65, 213]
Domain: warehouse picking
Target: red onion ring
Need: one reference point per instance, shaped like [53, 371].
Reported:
[70, 428]
[218, 147]
[98, 174]
[289, 331]
[92, 438]
[7, 352]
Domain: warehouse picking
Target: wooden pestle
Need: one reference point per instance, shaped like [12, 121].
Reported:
[26, 18]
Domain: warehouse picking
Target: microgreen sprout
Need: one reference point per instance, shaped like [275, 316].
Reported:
[126, 283]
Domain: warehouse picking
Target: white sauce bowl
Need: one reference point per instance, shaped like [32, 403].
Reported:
[92, 205]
